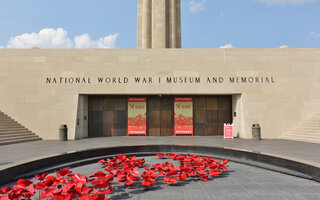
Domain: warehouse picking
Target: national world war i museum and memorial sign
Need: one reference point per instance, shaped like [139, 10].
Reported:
[160, 89]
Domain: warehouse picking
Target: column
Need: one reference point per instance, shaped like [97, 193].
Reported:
[173, 24]
[159, 24]
[147, 24]
[144, 23]
[178, 23]
[139, 24]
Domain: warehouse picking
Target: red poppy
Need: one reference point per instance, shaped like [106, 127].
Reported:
[67, 186]
[41, 177]
[64, 172]
[161, 155]
[5, 190]
[24, 183]
[172, 180]
[204, 178]
[100, 182]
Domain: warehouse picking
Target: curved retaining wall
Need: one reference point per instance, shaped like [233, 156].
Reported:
[12, 172]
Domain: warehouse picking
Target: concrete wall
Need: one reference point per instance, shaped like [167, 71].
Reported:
[278, 106]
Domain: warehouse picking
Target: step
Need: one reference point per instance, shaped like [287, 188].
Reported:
[13, 132]
[299, 134]
[303, 137]
[19, 138]
[299, 139]
[309, 125]
[18, 128]
[8, 122]
[11, 125]
[306, 130]
[16, 135]
[312, 120]
[17, 131]
[306, 127]
[19, 141]
[4, 117]
[316, 116]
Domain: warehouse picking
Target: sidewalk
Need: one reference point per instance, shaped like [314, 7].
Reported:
[299, 150]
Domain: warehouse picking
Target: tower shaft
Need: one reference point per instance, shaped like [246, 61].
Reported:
[159, 24]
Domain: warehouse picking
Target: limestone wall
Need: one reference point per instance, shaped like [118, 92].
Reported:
[290, 91]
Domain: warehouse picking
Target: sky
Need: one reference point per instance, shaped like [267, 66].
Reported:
[205, 23]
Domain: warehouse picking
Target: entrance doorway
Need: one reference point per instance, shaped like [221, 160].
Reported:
[160, 116]
[210, 114]
[108, 115]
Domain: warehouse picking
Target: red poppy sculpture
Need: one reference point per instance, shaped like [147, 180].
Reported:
[124, 169]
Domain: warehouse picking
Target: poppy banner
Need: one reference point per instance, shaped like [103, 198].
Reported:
[183, 116]
[137, 116]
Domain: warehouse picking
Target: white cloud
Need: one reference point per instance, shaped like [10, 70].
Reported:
[46, 38]
[58, 38]
[196, 6]
[226, 46]
[285, 2]
[84, 41]
[1, 47]
[314, 35]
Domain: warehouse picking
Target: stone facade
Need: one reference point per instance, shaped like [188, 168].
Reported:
[277, 88]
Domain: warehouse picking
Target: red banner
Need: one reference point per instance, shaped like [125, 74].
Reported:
[183, 116]
[137, 116]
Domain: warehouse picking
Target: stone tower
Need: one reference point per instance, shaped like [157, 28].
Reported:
[159, 24]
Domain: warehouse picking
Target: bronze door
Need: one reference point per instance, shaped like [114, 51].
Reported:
[153, 116]
[200, 115]
[120, 116]
[107, 116]
[210, 113]
[160, 116]
[167, 115]
[95, 119]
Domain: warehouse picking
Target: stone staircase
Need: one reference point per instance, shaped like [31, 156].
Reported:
[307, 131]
[12, 132]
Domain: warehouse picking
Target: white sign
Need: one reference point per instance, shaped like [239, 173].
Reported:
[228, 131]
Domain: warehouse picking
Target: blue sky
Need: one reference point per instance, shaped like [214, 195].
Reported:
[205, 23]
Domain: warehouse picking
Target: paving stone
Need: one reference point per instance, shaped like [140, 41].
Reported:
[230, 187]
[243, 181]
[267, 197]
[310, 196]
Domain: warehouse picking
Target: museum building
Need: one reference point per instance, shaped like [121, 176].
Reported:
[160, 89]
